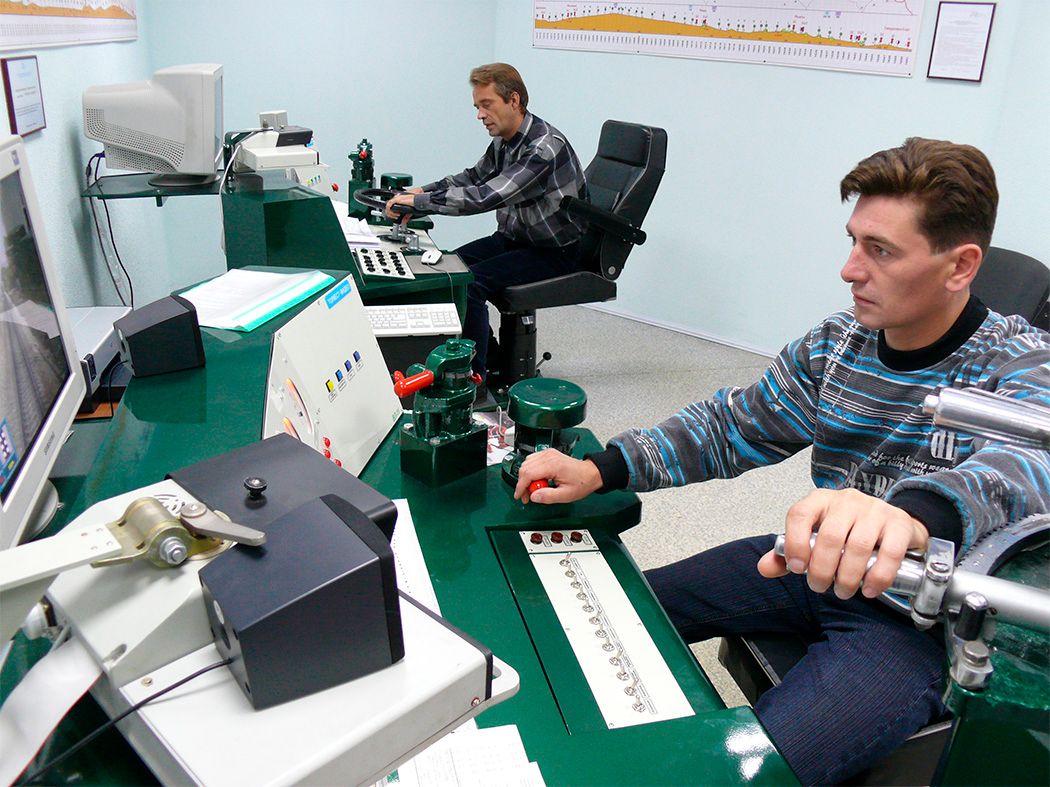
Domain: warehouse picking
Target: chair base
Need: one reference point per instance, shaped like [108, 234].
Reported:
[517, 342]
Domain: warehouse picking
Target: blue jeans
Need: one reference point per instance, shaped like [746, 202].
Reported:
[868, 682]
[497, 262]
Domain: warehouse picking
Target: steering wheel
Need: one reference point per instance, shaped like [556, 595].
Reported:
[378, 198]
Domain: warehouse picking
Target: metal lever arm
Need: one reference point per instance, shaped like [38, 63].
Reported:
[1011, 601]
[202, 521]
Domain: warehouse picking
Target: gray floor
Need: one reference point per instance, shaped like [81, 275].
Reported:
[637, 375]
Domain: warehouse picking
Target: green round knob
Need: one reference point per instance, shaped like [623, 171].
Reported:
[395, 180]
[544, 403]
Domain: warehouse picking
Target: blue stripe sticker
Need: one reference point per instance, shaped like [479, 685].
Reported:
[337, 294]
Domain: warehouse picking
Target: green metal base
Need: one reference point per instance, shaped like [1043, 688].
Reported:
[441, 462]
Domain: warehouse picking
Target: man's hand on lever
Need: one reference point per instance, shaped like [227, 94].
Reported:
[573, 479]
[851, 527]
[405, 198]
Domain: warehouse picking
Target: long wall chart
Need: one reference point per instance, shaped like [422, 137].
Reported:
[28, 24]
[871, 36]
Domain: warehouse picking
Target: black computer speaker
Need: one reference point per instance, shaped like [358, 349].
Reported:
[162, 336]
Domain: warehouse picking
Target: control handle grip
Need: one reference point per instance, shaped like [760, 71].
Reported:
[403, 386]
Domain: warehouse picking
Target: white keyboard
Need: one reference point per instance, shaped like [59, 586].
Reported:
[382, 263]
[414, 319]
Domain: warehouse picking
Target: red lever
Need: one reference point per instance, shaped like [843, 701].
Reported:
[539, 483]
[403, 386]
[475, 378]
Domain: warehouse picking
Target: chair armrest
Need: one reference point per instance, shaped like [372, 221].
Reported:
[609, 222]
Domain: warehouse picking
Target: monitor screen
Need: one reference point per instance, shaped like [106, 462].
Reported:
[40, 385]
[171, 125]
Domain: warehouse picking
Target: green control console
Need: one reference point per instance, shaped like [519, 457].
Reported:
[442, 443]
[544, 412]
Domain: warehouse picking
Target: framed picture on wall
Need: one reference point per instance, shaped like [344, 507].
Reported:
[25, 103]
[960, 40]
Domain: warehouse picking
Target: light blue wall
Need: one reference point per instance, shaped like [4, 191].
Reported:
[746, 234]
[57, 156]
[395, 73]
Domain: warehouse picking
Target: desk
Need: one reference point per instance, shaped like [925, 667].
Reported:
[270, 220]
[172, 420]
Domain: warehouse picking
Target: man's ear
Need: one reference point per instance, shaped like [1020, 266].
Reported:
[966, 260]
[515, 100]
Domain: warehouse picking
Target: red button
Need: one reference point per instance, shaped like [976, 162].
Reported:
[327, 442]
[538, 484]
[338, 463]
[327, 454]
[536, 538]
[576, 536]
[557, 537]
[335, 187]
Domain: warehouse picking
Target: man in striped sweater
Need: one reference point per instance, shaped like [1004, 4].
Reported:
[886, 477]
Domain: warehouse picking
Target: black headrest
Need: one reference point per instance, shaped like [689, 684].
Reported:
[624, 142]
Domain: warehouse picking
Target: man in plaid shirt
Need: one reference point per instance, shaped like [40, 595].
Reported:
[525, 172]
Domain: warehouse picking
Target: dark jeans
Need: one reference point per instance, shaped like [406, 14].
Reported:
[869, 681]
[497, 262]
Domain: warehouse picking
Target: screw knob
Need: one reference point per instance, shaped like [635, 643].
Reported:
[255, 486]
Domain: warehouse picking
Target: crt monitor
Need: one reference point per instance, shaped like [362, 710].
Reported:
[171, 124]
[41, 385]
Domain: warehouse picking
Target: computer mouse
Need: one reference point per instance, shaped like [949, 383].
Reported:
[430, 256]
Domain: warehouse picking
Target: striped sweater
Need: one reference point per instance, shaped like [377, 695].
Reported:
[859, 404]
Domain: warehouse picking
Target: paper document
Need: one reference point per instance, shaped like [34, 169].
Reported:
[470, 757]
[413, 577]
[357, 232]
[242, 300]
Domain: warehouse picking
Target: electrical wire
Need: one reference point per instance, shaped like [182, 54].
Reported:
[35, 775]
[109, 386]
[97, 158]
[113, 240]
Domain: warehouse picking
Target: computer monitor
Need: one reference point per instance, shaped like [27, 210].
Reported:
[171, 124]
[41, 385]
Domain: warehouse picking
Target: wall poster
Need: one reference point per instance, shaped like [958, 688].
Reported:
[876, 37]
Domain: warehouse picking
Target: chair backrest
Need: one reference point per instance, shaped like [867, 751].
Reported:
[1013, 283]
[622, 178]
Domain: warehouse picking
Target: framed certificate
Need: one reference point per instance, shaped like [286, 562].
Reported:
[25, 104]
[960, 40]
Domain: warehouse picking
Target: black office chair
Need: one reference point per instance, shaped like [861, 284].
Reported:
[1013, 283]
[622, 181]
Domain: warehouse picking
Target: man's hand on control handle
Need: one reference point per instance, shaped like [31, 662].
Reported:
[851, 527]
[573, 479]
[405, 198]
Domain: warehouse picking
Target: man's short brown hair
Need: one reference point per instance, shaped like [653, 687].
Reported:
[504, 79]
[954, 186]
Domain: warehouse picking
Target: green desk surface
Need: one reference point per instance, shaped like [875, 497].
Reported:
[169, 421]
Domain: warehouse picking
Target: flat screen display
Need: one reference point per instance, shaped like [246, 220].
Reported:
[33, 366]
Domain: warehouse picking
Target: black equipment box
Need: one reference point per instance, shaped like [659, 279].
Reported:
[315, 606]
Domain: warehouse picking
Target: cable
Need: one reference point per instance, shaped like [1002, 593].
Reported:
[97, 158]
[113, 238]
[35, 775]
[120, 262]
[236, 150]
[109, 386]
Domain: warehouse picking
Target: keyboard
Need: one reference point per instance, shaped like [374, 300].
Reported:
[383, 263]
[414, 319]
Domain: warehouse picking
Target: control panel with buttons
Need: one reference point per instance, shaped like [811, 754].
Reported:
[628, 677]
[383, 263]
